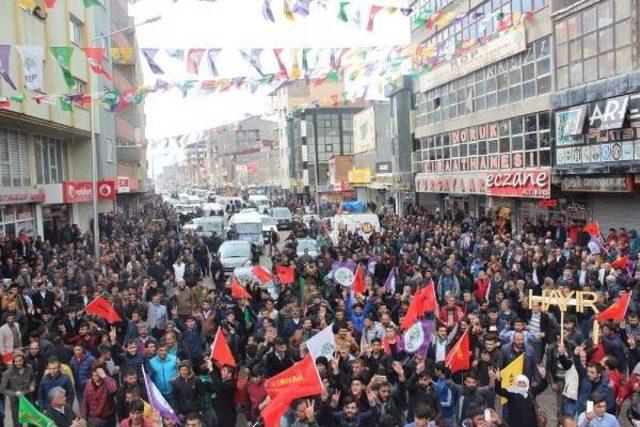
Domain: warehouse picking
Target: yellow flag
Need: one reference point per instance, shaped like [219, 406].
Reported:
[510, 372]
[121, 55]
[27, 4]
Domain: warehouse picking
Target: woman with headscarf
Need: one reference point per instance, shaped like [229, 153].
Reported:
[17, 381]
[521, 399]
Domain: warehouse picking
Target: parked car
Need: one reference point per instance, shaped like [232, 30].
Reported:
[234, 254]
[206, 226]
[283, 218]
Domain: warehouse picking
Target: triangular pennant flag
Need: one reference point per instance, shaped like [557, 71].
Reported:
[253, 58]
[29, 414]
[295, 67]
[459, 357]
[615, 311]
[100, 307]
[177, 54]
[267, 13]
[65, 104]
[358, 285]
[238, 291]
[301, 7]
[4, 102]
[283, 69]
[5, 50]
[194, 57]
[95, 56]
[509, 373]
[150, 55]
[18, 98]
[342, 13]
[372, 15]
[220, 351]
[287, 10]
[286, 275]
[90, 3]
[212, 55]
[50, 3]
[62, 55]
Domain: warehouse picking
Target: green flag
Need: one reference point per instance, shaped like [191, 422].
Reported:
[65, 104]
[62, 55]
[342, 14]
[28, 414]
[89, 3]
[18, 98]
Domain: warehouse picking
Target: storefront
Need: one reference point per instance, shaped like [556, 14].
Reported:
[17, 210]
[359, 179]
[598, 157]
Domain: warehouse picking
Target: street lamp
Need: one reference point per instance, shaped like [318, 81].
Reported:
[94, 147]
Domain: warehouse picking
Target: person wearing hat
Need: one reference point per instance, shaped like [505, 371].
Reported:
[187, 389]
[17, 381]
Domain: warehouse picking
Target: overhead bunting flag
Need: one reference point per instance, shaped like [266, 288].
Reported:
[322, 344]
[212, 55]
[281, 66]
[287, 10]
[5, 50]
[150, 55]
[615, 311]
[100, 307]
[220, 351]
[267, 13]
[50, 3]
[253, 58]
[4, 102]
[301, 7]
[121, 55]
[194, 57]
[177, 54]
[157, 400]
[29, 414]
[295, 66]
[417, 338]
[62, 55]
[32, 58]
[342, 13]
[459, 357]
[372, 16]
[95, 56]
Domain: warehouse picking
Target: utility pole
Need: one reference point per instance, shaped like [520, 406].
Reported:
[305, 159]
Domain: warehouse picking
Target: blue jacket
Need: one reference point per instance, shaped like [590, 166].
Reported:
[48, 382]
[163, 372]
[136, 362]
[81, 370]
[587, 388]
[193, 343]
[356, 319]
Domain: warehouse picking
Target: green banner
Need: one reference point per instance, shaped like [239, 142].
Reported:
[62, 55]
[28, 414]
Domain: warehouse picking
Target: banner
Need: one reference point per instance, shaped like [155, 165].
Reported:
[62, 55]
[32, 58]
[322, 344]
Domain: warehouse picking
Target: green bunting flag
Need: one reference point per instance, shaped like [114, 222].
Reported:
[28, 414]
[65, 105]
[342, 13]
[89, 3]
[62, 55]
[18, 98]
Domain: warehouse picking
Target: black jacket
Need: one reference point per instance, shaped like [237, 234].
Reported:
[187, 394]
[522, 411]
[61, 419]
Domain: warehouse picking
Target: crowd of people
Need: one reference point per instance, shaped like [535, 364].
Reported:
[172, 295]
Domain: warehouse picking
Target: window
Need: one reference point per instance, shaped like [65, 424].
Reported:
[15, 170]
[51, 160]
[108, 146]
[593, 44]
[76, 31]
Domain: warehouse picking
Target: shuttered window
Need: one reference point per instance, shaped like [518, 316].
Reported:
[15, 169]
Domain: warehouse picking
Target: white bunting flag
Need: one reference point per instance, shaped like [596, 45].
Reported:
[32, 59]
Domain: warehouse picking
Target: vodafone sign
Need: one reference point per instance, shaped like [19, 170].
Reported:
[82, 191]
[520, 183]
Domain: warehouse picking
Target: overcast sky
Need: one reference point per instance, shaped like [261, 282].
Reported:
[238, 24]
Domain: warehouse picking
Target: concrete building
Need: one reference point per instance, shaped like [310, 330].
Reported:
[482, 109]
[596, 107]
[45, 175]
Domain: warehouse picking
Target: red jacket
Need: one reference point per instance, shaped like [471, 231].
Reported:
[98, 400]
[481, 288]
[456, 312]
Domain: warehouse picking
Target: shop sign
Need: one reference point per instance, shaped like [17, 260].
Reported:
[384, 167]
[21, 195]
[548, 203]
[460, 183]
[340, 186]
[610, 113]
[123, 184]
[82, 191]
[508, 44]
[534, 184]
[598, 184]
[364, 131]
[569, 122]
[360, 176]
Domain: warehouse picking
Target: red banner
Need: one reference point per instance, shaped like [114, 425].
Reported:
[520, 183]
[82, 191]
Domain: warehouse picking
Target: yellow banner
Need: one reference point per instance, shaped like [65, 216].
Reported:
[510, 372]
[121, 55]
[360, 176]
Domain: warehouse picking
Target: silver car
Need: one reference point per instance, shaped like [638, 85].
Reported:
[234, 254]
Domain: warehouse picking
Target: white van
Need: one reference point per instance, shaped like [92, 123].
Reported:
[212, 209]
[259, 199]
[248, 227]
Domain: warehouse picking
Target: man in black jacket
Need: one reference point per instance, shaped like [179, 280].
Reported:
[278, 360]
[60, 411]
[224, 387]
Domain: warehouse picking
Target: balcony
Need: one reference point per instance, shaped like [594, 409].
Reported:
[129, 154]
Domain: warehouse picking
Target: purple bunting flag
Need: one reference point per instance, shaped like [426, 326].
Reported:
[5, 51]
[149, 55]
[267, 13]
[212, 55]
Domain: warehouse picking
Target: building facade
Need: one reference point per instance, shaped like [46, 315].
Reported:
[45, 178]
[482, 119]
[596, 110]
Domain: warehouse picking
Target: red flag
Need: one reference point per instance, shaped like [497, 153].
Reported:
[429, 300]
[238, 291]
[283, 68]
[458, 358]
[273, 411]
[617, 310]
[220, 351]
[301, 379]
[262, 274]
[372, 15]
[194, 57]
[358, 281]
[415, 310]
[100, 307]
[620, 263]
[593, 228]
[95, 56]
[50, 3]
[286, 275]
